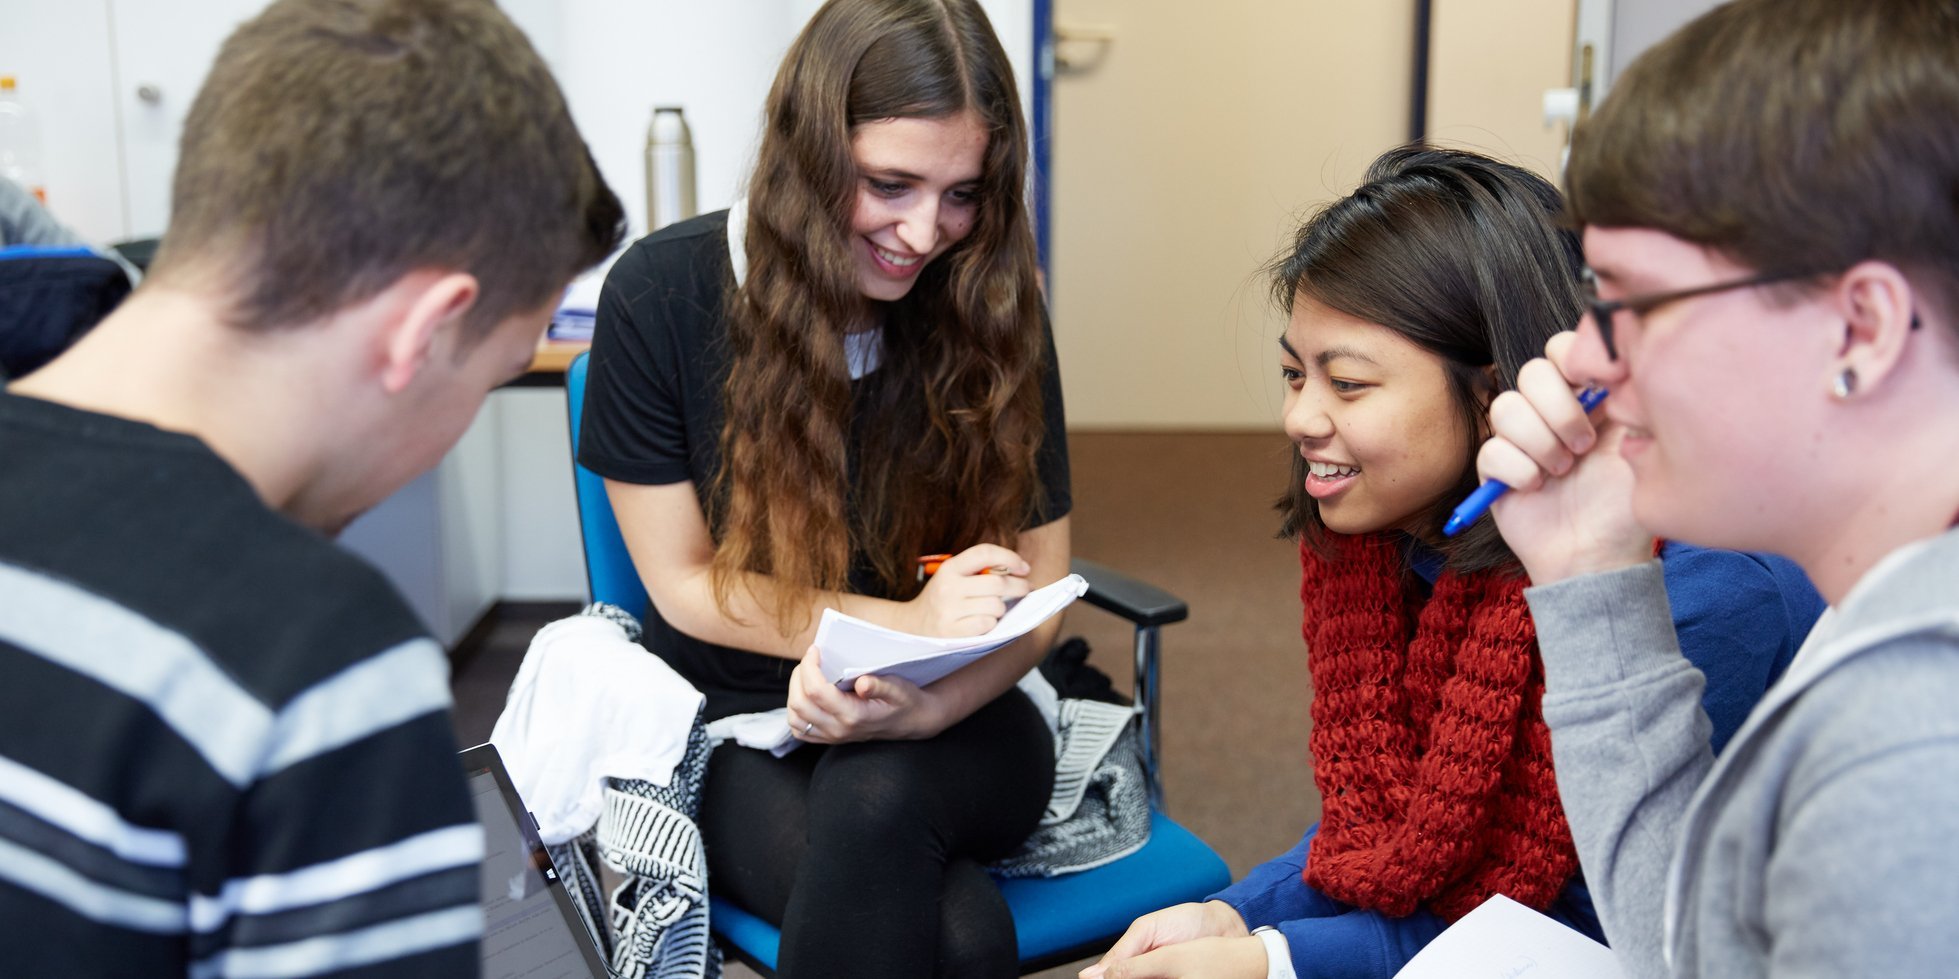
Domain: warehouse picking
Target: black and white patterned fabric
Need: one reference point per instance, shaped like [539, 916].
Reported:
[656, 923]
[1099, 811]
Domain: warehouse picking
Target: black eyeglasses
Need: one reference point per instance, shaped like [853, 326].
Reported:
[1603, 310]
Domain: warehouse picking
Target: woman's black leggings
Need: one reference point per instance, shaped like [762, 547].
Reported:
[870, 855]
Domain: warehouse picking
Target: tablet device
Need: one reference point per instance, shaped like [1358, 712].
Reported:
[530, 926]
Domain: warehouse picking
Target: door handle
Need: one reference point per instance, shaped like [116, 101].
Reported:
[1080, 47]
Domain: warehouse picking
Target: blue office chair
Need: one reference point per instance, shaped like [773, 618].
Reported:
[49, 297]
[1056, 919]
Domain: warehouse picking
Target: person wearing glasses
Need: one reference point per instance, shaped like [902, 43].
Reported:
[1770, 204]
[1411, 302]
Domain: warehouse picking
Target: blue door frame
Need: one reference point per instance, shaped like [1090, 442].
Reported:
[1043, 135]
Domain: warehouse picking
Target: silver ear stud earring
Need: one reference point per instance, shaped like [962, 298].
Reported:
[1846, 384]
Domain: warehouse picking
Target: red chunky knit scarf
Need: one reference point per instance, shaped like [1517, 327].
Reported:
[1429, 747]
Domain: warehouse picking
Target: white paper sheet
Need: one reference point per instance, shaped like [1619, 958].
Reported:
[1502, 939]
[852, 647]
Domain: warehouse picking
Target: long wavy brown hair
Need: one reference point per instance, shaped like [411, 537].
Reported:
[954, 413]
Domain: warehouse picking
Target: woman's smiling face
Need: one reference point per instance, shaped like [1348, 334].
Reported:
[917, 181]
[1376, 419]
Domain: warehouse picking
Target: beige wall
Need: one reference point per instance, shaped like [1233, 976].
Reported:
[1489, 64]
[1180, 163]
[1186, 155]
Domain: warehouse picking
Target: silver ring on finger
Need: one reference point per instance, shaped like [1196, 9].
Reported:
[811, 726]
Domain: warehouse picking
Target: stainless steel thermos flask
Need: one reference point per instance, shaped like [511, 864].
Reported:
[669, 168]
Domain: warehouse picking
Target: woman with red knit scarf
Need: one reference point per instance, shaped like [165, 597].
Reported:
[1411, 303]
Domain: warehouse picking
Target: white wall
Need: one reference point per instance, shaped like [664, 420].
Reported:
[62, 54]
[1640, 24]
[109, 154]
[167, 47]
[617, 59]
[538, 548]
[714, 60]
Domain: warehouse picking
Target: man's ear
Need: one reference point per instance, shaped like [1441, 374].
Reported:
[432, 304]
[1877, 306]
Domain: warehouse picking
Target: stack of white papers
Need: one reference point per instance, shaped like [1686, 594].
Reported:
[852, 647]
[1502, 939]
[577, 312]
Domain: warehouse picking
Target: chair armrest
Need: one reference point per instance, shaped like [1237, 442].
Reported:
[1148, 607]
[1138, 601]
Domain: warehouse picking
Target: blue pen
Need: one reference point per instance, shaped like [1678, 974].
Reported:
[1479, 502]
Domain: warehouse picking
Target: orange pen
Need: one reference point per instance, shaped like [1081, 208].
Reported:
[928, 565]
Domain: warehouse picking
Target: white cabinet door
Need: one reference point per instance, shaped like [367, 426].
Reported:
[163, 50]
[61, 54]
[437, 539]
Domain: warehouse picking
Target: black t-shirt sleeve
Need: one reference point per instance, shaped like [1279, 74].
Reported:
[1051, 463]
[635, 421]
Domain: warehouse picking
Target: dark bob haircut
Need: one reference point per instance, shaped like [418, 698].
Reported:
[1463, 256]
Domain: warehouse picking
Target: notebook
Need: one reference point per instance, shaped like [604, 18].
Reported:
[530, 927]
[853, 647]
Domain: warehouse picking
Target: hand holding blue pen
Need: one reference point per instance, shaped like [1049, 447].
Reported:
[1478, 503]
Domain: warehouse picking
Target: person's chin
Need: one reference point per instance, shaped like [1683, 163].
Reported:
[1672, 513]
[880, 289]
[1345, 520]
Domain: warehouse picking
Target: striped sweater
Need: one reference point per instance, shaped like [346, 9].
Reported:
[224, 742]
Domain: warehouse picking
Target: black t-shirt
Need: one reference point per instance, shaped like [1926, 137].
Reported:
[653, 415]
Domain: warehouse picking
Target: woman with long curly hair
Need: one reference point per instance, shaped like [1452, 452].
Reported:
[1412, 302]
[794, 400]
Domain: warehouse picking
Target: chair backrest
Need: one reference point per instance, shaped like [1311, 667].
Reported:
[608, 567]
[49, 297]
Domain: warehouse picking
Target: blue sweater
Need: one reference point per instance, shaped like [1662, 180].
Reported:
[1740, 618]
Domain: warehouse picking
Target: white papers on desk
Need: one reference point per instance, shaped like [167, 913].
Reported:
[1502, 939]
[577, 313]
[852, 647]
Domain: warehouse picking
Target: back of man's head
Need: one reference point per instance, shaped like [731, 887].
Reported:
[340, 144]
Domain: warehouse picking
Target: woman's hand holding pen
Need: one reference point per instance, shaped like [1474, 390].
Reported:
[968, 593]
[876, 708]
[1569, 511]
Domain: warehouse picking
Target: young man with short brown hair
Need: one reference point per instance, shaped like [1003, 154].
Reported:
[224, 742]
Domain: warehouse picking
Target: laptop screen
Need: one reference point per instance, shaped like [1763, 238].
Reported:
[531, 929]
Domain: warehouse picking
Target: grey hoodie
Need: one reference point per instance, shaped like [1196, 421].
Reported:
[1825, 841]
